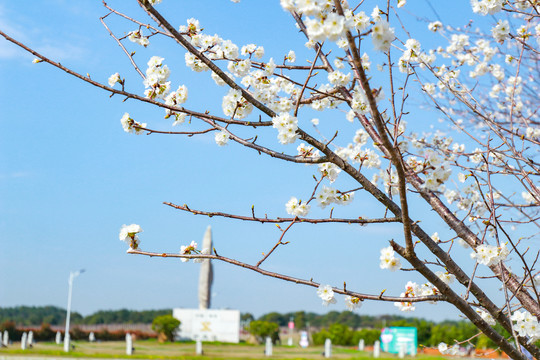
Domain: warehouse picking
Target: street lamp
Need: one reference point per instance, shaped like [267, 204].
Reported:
[72, 275]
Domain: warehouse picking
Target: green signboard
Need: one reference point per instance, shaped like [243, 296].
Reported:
[395, 338]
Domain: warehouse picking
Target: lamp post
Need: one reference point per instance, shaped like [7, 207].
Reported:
[72, 275]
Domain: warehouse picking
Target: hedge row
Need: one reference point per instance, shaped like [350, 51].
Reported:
[45, 333]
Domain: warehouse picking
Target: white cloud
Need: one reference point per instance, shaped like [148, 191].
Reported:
[62, 52]
[15, 175]
[10, 51]
[53, 48]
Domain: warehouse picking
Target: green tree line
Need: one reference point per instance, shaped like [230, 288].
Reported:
[344, 328]
[37, 315]
[347, 328]
[303, 319]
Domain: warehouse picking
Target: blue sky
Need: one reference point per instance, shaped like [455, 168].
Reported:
[70, 176]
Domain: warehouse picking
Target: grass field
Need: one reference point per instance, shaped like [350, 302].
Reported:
[150, 349]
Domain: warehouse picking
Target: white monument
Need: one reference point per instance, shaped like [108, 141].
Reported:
[377, 349]
[58, 338]
[30, 340]
[23, 340]
[268, 347]
[207, 324]
[92, 337]
[198, 347]
[361, 345]
[328, 348]
[5, 339]
[129, 344]
[402, 350]
[206, 276]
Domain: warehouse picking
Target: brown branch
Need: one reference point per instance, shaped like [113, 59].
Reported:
[279, 242]
[283, 220]
[311, 283]
[306, 82]
[188, 133]
[148, 26]
[290, 67]
[395, 156]
[261, 149]
[123, 47]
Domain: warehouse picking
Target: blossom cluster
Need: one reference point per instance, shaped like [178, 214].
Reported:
[308, 151]
[329, 170]
[486, 316]
[192, 28]
[296, 207]
[194, 63]
[412, 289]
[328, 195]
[501, 31]
[389, 179]
[528, 197]
[338, 78]
[252, 49]
[352, 302]
[436, 169]
[239, 68]
[389, 260]
[324, 24]
[138, 38]
[446, 277]
[156, 79]
[191, 249]
[113, 79]
[452, 350]
[327, 295]
[328, 102]
[506, 91]
[435, 26]
[526, 325]
[263, 86]
[176, 98]
[360, 104]
[485, 7]
[367, 158]
[413, 55]
[128, 234]
[131, 126]
[279, 94]
[382, 35]
[532, 133]
[291, 56]
[286, 125]
[469, 198]
[235, 105]
[490, 255]
[222, 138]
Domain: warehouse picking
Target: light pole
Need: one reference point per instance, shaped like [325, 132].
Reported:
[72, 275]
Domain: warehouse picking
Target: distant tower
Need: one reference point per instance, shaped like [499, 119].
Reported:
[206, 276]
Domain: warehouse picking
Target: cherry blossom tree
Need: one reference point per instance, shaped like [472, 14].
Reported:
[478, 171]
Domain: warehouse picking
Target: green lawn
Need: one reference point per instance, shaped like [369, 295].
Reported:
[150, 349]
